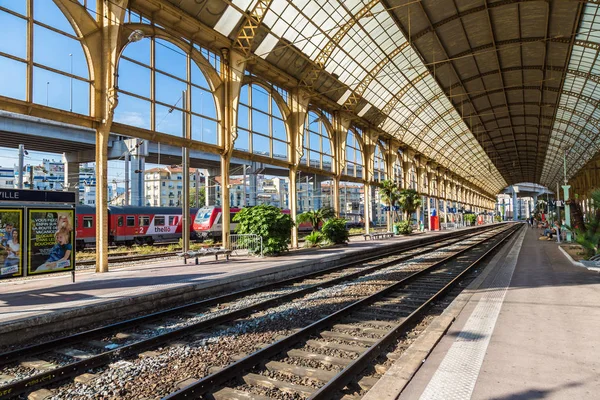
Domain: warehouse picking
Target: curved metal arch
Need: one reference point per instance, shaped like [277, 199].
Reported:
[469, 11]
[310, 77]
[483, 93]
[84, 26]
[573, 111]
[544, 126]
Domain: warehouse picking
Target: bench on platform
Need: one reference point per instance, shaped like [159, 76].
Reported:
[383, 235]
[213, 251]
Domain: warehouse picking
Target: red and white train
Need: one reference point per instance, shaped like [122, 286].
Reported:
[130, 225]
[208, 222]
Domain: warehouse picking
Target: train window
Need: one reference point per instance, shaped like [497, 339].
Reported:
[145, 220]
[88, 222]
[130, 220]
[159, 221]
[231, 215]
[171, 220]
[120, 221]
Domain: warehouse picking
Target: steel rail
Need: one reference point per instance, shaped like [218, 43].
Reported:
[78, 367]
[357, 365]
[211, 382]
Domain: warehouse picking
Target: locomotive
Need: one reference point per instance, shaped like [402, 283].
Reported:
[128, 225]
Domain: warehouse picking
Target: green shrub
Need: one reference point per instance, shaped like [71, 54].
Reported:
[334, 230]
[314, 239]
[404, 227]
[269, 222]
[470, 219]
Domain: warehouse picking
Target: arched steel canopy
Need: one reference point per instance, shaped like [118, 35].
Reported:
[492, 90]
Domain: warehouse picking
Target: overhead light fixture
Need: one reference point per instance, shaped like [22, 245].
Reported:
[136, 36]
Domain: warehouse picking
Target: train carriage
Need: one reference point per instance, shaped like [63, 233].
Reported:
[132, 225]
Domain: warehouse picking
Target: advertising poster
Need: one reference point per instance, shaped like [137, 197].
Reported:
[51, 239]
[11, 237]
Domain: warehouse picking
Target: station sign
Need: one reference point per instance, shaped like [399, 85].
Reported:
[36, 196]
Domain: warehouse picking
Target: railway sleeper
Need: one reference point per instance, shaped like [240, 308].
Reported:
[319, 375]
[348, 338]
[336, 346]
[382, 324]
[380, 314]
[233, 394]
[270, 383]
[363, 329]
[321, 358]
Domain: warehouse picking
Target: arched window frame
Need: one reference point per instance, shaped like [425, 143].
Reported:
[379, 162]
[204, 113]
[354, 155]
[247, 113]
[399, 170]
[318, 157]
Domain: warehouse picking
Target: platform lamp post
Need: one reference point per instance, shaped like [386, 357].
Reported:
[566, 188]
[186, 175]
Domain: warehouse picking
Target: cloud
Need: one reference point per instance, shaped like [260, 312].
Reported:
[131, 118]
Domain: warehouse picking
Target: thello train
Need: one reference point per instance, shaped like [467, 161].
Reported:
[207, 223]
[130, 225]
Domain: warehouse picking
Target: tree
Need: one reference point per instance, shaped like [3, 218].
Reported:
[201, 197]
[389, 193]
[409, 200]
[315, 217]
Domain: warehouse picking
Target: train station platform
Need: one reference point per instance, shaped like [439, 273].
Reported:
[52, 303]
[526, 328]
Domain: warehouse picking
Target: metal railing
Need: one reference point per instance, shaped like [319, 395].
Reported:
[449, 225]
[246, 244]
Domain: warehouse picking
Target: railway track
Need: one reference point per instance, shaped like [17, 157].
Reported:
[329, 354]
[38, 366]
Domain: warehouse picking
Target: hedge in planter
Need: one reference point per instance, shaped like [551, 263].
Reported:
[269, 222]
[334, 230]
[403, 227]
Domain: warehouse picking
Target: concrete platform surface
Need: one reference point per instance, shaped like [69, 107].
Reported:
[531, 331]
[32, 302]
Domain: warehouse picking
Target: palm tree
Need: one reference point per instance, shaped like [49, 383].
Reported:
[409, 200]
[389, 193]
[315, 217]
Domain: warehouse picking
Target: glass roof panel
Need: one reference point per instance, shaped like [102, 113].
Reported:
[403, 82]
[582, 132]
